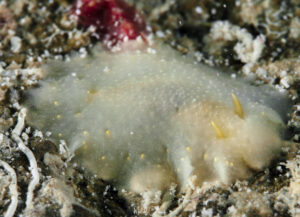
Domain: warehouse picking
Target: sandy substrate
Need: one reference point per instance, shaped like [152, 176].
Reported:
[256, 39]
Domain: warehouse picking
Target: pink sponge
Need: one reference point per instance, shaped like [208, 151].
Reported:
[115, 20]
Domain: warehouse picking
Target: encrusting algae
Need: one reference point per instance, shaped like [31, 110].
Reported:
[145, 118]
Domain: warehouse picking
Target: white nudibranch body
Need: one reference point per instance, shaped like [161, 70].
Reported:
[146, 119]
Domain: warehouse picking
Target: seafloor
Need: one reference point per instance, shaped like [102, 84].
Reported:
[259, 39]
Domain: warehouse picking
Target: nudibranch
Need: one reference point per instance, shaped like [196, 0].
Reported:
[145, 118]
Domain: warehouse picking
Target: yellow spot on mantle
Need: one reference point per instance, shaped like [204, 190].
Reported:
[182, 159]
[58, 116]
[85, 132]
[107, 133]
[56, 103]
[59, 135]
[205, 156]
[78, 114]
[142, 156]
[128, 158]
[103, 158]
[188, 148]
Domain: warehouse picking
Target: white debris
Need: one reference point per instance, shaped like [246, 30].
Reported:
[83, 52]
[285, 82]
[149, 198]
[60, 193]
[247, 48]
[198, 10]
[207, 212]
[182, 205]
[261, 72]
[295, 28]
[294, 188]
[160, 34]
[16, 44]
[13, 189]
[64, 150]
[32, 161]
[38, 133]
[30, 76]
[198, 56]
[156, 12]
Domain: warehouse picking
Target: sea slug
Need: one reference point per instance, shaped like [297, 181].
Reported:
[145, 118]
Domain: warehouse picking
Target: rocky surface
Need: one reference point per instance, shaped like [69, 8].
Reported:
[228, 34]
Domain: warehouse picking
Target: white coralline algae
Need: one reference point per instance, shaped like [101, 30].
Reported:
[146, 119]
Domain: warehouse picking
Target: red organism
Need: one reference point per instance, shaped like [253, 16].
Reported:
[115, 20]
